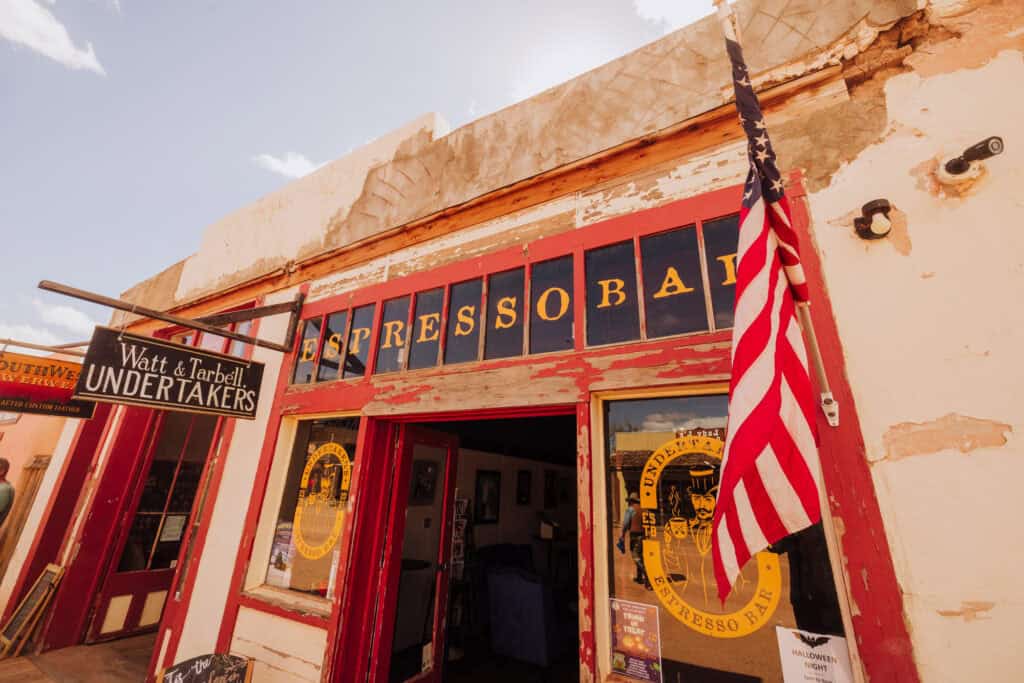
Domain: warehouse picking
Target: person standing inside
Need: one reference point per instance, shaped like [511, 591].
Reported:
[632, 525]
[6, 491]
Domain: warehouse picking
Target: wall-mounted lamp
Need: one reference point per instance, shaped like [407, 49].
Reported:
[966, 167]
[873, 223]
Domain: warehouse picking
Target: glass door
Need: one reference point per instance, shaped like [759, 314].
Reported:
[417, 558]
[136, 589]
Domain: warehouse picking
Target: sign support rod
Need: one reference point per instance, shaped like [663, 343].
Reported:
[38, 347]
[135, 309]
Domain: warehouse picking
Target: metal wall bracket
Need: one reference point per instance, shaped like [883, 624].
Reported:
[206, 324]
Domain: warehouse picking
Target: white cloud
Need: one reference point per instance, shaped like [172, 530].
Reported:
[30, 334]
[64, 316]
[292, 165]
[670, 422]
[672, 14]
[28, 23]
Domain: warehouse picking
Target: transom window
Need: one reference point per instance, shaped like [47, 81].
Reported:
[646, 285]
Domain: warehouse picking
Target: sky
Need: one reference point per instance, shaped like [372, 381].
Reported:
[129, 126]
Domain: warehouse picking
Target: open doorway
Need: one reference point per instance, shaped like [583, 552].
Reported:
[487, 585]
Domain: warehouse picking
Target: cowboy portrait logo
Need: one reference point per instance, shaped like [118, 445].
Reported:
[678, 493]
[323, 493]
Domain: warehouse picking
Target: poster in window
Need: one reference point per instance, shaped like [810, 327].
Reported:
[813, 657]
[423, 482]
[636, 640]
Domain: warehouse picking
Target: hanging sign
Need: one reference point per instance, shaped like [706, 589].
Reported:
[813, 657]
[126, 368]
[30, 384]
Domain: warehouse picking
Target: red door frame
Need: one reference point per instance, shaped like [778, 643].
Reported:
[410, 435]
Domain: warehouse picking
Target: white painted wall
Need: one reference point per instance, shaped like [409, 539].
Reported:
[934, 332]
[285, 651]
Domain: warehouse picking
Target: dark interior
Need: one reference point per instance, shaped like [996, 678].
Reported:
[513, 604]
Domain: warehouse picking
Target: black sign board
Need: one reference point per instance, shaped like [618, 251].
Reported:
[19, 627]
[209, 668]
[127, 368]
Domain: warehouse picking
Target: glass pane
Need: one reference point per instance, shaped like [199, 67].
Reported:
[305, 551]
[613, 314]
[135, 555]
[462, 339]
[166, 453]
[306, 358]
[212, 342]
[238, 348]
[334, 340]
[358, 350]
[660, 552]
[421, 545]
[426, 330]
[504, 337]
[551, 312]
[393, 335]
[673, 286]
[720, 239]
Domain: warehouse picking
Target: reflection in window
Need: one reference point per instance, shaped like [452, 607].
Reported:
[673, 286]
[551, 310]
[358, 349]
[334, 340]
[720, 240]
[462, 338]
[393, 335]
[305, 551]
[426, 329]
[305, 360]
[676, 443]
[505, 314]
[613, 313]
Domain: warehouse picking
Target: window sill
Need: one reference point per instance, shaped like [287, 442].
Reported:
[289, 604]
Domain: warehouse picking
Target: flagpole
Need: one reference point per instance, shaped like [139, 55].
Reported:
[829, 405]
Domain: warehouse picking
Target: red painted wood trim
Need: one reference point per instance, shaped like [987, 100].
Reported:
[55, 522]
[882, 636]
[586, 514]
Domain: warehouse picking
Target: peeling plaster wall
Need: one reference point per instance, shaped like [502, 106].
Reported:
[932, 334]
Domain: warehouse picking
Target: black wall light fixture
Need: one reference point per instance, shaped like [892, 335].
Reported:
[986, 149]
[873, 223]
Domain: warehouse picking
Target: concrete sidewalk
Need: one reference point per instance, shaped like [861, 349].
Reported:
[118, 661]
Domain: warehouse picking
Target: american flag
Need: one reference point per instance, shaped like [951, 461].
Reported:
[768, 488]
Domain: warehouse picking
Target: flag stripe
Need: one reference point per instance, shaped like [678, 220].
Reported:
[768, 483]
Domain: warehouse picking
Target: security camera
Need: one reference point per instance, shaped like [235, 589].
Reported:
[986, 149]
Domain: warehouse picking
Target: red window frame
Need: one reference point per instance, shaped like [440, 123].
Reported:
[688, 214]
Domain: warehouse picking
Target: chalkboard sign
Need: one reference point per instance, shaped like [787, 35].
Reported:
[209, 669]
[19, 627]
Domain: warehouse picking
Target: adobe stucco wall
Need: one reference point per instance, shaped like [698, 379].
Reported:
[932, 333]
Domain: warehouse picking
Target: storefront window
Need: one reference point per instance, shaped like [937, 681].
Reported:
[306, 547]
[667, 624]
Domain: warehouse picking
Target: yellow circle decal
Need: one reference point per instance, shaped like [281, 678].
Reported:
[666, 551]
[323, 494]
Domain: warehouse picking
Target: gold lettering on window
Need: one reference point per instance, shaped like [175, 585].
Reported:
[359, 335]
[672, 285]
[466, 323]
[612, 287]
[333, 347]
[308, 349]
[429, 330]
[393, 334]
[729, 261]
[506, 313]
[542, 303]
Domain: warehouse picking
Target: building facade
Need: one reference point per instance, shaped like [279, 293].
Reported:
[510, 328]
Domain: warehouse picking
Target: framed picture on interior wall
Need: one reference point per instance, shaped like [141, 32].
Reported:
[523, 485]
[461, 508]
[423, 482]
[488, 497]
[550, 489]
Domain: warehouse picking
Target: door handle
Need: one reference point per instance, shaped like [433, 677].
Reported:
[443, 567]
